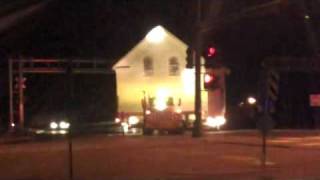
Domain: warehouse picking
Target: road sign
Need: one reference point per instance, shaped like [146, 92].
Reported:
[272, 88]
[314, 100]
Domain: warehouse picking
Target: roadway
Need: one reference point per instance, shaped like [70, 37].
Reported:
[217, 155]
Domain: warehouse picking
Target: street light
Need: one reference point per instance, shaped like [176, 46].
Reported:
[251, 100]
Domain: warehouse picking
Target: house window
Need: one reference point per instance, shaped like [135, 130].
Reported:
[148, 66]
[174, 67]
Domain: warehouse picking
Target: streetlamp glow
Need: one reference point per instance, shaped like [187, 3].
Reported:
[251, 100]
[156, 35]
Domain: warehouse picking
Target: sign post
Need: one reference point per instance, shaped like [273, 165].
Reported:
[265, 124]
[269, 97]
[70, 111]
[197, 129]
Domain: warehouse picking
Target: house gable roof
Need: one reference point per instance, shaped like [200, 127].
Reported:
[145, 43]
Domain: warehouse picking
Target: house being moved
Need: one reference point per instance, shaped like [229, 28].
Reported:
[155, 68]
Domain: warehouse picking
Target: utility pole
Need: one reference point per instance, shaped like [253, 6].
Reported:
[269, 95]
[11, 117]
[311, 35]
[20, 86]
[197, 130]
[70, 115]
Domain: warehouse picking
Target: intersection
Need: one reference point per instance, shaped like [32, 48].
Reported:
[217, 155]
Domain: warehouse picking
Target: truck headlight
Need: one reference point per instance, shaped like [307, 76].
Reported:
[133, 120]
[117, 120]
[148, 112]
[215, 122]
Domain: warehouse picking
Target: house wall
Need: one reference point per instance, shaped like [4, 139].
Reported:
[132, 82]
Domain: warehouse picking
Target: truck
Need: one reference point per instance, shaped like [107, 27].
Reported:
[168, 119]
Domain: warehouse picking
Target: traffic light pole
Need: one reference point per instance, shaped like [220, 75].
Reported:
[311, 35]
[70, 116]
[20, 84]
[197, 130]
[11, 120]
[20, 67]
[21, 97]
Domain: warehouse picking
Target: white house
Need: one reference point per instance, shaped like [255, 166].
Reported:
[155, 67]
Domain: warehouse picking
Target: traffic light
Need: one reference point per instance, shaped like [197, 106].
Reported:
[211, 81]
[190, 58]
[210, 54]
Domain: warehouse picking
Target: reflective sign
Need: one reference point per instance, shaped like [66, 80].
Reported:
[314, 100]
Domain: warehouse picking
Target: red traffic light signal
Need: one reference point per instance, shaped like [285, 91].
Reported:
[208, 78]
[211, 51]
[211, 81]
[211, 56]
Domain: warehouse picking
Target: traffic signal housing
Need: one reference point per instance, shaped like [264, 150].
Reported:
[211, 81]
[20, 82]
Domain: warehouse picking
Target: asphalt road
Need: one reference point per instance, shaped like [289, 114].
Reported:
[217, 155]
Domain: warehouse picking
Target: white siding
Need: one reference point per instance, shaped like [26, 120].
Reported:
[131, 81]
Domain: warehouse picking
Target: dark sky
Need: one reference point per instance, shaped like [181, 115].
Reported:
[95, 28]
[84, 29]
[109, 28]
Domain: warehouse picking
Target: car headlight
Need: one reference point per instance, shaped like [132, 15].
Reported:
[53, 125]
[64, 125]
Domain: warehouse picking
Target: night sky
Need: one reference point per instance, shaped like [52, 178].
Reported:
[99, 28]
[105, 29]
